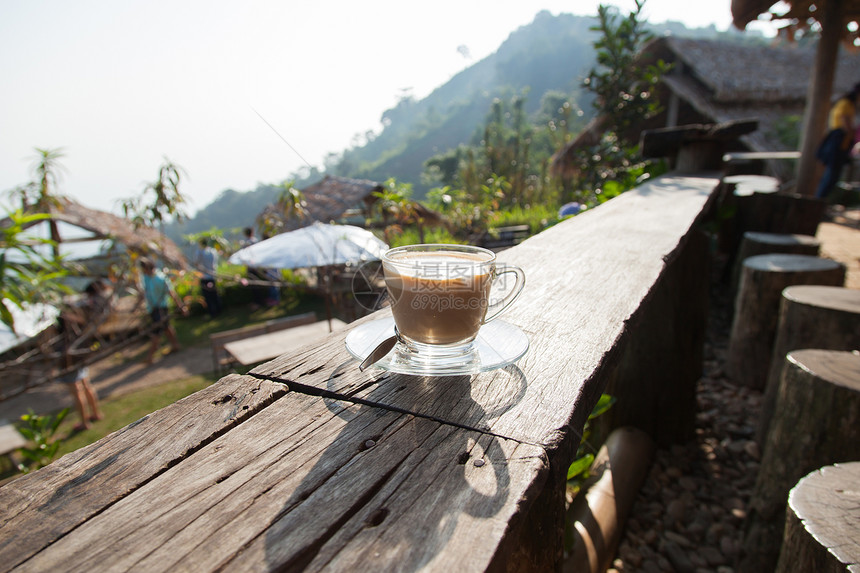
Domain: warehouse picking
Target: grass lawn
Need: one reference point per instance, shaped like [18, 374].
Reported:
[194, 330]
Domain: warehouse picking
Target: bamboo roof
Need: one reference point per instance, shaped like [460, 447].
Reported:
[333, 198]
[104, 225]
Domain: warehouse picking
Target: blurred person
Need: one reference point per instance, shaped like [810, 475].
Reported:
[206, 261]
[835, 149]
[253, 274]
[156, 290]
[73, 324]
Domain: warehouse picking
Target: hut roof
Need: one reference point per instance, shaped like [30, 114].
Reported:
[334, 197]
[105, 225]
[722, 82]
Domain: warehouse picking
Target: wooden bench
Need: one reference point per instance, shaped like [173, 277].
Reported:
[504, 237]
[222, 360]
[306, 463]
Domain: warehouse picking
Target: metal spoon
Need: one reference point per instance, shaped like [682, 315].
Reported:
[380, 351]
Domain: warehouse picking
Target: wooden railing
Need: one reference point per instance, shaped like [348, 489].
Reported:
[307, 463]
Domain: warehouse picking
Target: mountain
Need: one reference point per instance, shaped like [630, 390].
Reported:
[551, 54]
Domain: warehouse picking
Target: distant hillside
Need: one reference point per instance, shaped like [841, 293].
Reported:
[550, 54]
[553, 53]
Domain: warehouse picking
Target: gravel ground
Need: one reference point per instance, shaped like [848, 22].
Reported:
[689, 514]
[690, 511]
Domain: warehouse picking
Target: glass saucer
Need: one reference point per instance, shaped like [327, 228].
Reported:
[497, 345]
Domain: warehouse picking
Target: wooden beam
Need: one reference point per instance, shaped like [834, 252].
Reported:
[819, 94]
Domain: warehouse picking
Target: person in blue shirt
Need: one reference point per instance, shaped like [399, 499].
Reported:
[206, 262]
[157, 289]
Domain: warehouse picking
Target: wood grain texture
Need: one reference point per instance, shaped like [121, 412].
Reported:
[822, 531]
[816, 423]
[43, 506]
[757, 304]
[307, 463]
[810, 316]
[310, 482]
[754, 244]
[585, 279]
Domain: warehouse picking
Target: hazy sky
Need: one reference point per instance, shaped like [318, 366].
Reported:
[121, 85]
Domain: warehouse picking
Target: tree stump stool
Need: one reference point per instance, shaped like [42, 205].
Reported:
[756, 243]
[822, 521]
[784, 213]
[817, 424]
[736, 199]
[823, 317]
[756, 309]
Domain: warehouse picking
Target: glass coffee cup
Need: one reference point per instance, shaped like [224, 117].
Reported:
[441, 295]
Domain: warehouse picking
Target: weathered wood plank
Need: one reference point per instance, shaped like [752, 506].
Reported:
[318, 483]
[43, 506]
[586, 278]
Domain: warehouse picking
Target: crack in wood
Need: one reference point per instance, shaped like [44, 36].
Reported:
[328, 394]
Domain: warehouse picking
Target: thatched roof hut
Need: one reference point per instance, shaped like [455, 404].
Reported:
[341, 199]
[715, 82]
[100, 225]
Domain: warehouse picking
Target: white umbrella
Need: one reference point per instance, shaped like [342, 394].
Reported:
[317, 245]
[29, 321]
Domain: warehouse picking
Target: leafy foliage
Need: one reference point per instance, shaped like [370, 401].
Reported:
[289, 205]
[28, 272]
[39, 430]
[160, 199]
[27, 276]
[624, 89]
[578, 470]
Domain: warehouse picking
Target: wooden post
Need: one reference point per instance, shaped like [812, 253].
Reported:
[597, 515]
[810, 316]
[821, 522]
[818, 95]
[756, 310]
[756, 243]
[817, 423]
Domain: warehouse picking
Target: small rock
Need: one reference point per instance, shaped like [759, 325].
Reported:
[651, 537]
[729, 547]
[713, 556]
[736, 447]
[674, 472]
[688, 483]
[677, 539]
[752, 449]
[631, 557]
[677, 557]
[676, 510]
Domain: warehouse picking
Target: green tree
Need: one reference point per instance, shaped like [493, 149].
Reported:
[624, 89]
[27, 276]
[507, 166]
[396, 208]
[159, 200]
[289, 205]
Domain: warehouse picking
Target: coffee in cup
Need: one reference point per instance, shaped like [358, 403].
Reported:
[441, 294]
